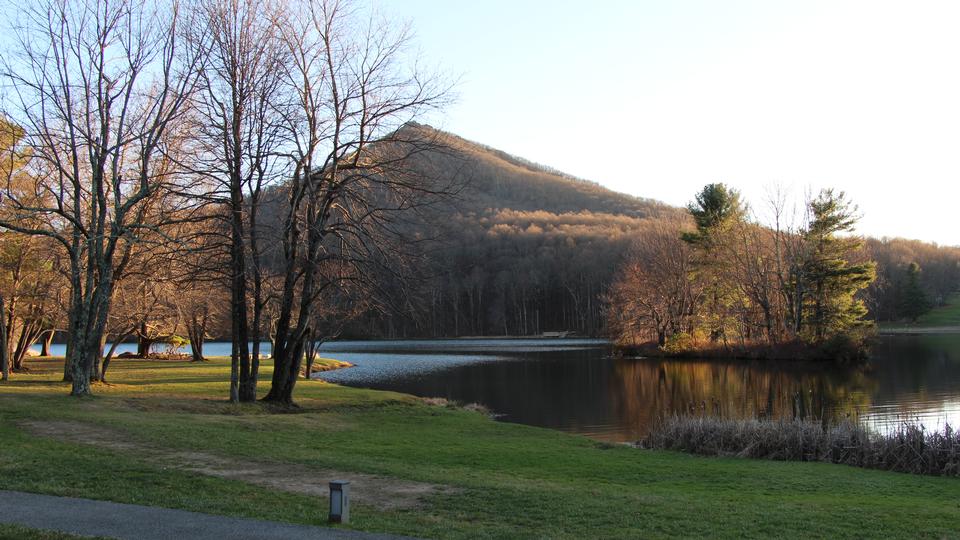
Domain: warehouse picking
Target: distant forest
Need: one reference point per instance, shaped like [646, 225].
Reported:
[517, 249]
[524, 250]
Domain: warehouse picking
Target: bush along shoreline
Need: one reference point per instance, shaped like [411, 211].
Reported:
[910, 447]
[852, 348]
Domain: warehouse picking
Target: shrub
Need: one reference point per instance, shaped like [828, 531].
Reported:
[679, 343]
[910, 447]
[852, 347]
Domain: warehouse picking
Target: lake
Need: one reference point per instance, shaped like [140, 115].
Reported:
[576, 385]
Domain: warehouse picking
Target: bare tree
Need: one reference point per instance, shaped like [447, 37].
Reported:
[658, 293]
[348, 154]
[238, 127]
[97, 87]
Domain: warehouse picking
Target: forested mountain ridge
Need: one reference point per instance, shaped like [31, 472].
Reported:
[524, 249]
[521, 249]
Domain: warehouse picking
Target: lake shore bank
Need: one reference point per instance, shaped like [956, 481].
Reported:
[455, 473]
[841, 352]
[917, 330]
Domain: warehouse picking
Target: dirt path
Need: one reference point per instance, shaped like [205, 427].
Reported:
[381, 492]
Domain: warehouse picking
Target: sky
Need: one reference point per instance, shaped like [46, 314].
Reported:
[657, 99]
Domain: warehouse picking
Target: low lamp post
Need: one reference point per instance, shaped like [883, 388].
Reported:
[339, 501]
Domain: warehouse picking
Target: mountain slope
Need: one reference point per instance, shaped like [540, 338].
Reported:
[523, 249]
[496, 180]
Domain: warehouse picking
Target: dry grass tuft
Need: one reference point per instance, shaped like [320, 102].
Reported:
[911, 447]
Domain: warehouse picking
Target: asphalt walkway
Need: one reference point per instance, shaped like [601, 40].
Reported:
[88, 517]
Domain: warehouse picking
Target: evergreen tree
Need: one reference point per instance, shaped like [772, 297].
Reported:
[716, 211]
[831, 281]
[913, 299]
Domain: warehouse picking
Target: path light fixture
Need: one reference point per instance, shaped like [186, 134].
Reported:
[339, 501]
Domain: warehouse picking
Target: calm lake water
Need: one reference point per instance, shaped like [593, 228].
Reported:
[576, 385]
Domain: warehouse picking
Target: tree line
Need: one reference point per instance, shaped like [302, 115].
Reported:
[730, 282]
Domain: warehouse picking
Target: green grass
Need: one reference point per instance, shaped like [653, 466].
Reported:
[942, 316]
[511, 481]
[948, 315]
[16, 532]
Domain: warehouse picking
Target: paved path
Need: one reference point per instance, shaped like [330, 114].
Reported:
[115, 520]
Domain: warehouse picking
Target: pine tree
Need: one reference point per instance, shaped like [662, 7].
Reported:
[716, 211]
[831, 280]
[914, 301]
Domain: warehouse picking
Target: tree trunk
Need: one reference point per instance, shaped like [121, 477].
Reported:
[196, 349]
[81, 365]
[240, 356]
[29, 332]
[144, 343]
[287, 361]
[67, 363]
[45, 342]
[109, 356]
[97, 358]
[4, 351]
[311, 349]
[197, 332]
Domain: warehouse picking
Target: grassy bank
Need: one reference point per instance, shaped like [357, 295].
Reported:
[158, 434]
[15, 532]
[941, 319]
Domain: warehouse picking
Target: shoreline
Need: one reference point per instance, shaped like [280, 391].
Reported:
[918, 330]
[786, 352]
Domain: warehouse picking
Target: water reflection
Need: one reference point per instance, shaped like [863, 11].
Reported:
[650, 389]
[587, 391]
[576, 385]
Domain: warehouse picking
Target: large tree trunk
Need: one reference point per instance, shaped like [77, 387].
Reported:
[97, 358]
[91, 322]
[81, 364]
[4, 351]
[248, 387]
[67, 362]
[144, 343]
[240, 357]
[287, 361]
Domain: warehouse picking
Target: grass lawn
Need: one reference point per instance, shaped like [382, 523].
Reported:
[15, 532]
[938, 317]
[502, 480]
[948, 315]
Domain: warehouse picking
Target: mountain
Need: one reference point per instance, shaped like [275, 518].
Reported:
[496, 179]
[523, 249]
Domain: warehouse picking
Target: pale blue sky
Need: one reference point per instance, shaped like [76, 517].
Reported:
[659, 98]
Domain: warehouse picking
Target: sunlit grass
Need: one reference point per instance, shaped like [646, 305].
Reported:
[939, 317]
[948, 315]
[508, 481]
